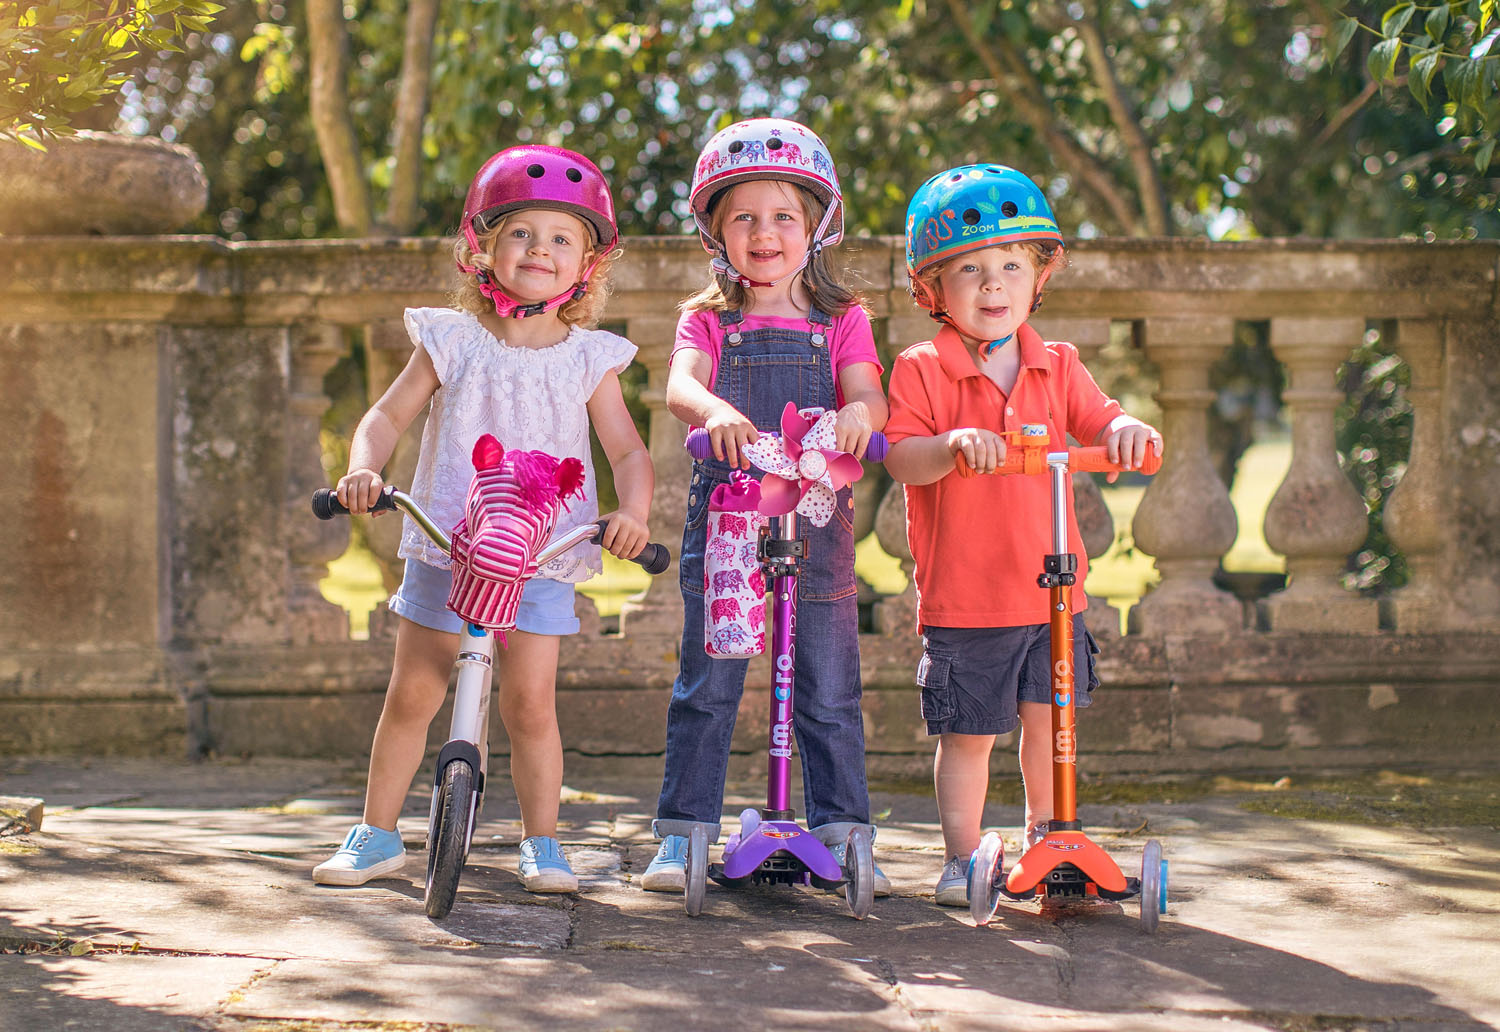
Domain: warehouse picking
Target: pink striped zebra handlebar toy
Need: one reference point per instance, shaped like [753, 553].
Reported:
[752, 541]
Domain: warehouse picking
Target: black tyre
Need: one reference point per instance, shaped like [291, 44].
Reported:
[448, 836]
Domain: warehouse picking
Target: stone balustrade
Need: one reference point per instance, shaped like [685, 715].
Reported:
[163, 398]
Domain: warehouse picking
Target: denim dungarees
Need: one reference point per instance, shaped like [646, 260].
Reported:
[759, 372]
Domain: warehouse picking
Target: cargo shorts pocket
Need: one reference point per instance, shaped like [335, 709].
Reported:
[934, 678]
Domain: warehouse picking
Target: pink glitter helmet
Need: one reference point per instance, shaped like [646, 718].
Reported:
[537, 176]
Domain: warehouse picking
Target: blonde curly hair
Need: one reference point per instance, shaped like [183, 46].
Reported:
[585, 312]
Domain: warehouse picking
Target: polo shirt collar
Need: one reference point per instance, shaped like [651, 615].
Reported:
[956, 361]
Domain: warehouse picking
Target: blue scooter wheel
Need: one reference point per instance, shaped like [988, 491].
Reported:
[985, 874]
[1153, 886]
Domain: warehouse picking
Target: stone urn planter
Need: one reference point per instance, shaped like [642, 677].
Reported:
[101, 184]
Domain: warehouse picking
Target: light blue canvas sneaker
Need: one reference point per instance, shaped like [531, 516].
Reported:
[667, 871]
[368, 852]
[953, 883]
[544, 868]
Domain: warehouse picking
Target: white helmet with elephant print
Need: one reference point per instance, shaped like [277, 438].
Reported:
[766, 148]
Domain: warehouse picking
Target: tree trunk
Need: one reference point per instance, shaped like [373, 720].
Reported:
[404, 206]
[1025, 93]
[328, 59]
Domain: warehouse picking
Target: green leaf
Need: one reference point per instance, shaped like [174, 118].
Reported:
[1483, 155]
[1342, 33]
[1382, 60]
[1422, 71]
[1395, 19]
[1437, 22]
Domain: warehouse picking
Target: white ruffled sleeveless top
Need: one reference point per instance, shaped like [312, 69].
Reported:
[529, 398]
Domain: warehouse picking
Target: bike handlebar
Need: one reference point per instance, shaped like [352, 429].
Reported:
[654, 558]
[700, 446]
[1091, 459]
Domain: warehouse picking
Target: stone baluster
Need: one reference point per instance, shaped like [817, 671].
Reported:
[311, 543]
[1316, 517]
[897, 614]
[658, 609]
[1186, 520]
[1095, 524]
[1414, 512]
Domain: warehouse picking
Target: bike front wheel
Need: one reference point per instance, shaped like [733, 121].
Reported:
[448, 835]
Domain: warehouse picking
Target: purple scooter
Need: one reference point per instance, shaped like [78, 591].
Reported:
[770, 845]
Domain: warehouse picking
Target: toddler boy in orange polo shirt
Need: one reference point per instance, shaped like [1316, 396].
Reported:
[981, 242]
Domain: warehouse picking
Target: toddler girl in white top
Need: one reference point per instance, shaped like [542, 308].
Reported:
[512, 358]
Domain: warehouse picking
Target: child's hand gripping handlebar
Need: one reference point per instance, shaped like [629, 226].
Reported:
[654, 558]
[1026, 452]
[701, 447]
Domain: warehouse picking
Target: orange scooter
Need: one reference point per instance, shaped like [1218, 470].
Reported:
[1064, 864]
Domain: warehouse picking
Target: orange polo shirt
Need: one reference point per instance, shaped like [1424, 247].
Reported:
[978, 543]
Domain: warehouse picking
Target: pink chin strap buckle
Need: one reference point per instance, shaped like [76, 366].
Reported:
[507, 307]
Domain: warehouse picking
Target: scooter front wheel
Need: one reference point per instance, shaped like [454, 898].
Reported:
[984, 878]
[448, 836]
[1153, 886]
[859, 872]
[695, 882]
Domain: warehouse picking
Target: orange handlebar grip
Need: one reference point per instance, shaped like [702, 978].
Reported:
[1093, 460]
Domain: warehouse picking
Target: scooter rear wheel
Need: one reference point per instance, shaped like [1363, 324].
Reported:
[1153, 886]
[985, 871]
[695, 882]
[448, 836]
[859, 872]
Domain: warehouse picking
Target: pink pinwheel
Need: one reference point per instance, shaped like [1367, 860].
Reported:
[804, 471]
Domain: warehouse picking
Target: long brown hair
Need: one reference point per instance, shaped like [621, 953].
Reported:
[822, 280]
[586, 311]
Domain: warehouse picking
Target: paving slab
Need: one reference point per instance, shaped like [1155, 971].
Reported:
[203, 871]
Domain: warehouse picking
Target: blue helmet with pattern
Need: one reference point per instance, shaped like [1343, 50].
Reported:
[969, 208]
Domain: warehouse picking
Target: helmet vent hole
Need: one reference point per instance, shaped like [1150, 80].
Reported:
[773, 144]
[535, 171]
[736, 146]
[992, 168]
[574, 176]
[1009, 209]
[971, 216]
[955, 178]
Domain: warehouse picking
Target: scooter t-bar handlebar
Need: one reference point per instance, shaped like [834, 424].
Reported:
[1027, 452]
[700, 446]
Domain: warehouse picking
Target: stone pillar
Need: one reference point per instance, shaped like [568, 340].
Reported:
[1186, 520]
[896, 615]
[1316, 517]
[1413, 513]
[311, 543]
[658, 609]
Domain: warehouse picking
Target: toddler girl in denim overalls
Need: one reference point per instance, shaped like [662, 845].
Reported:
[773, 326]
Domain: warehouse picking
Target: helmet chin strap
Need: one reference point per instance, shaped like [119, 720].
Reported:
[507, 307]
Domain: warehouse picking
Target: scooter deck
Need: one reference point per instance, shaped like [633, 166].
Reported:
[746, 852]
[1046, 861]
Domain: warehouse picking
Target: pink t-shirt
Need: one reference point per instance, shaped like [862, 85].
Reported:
[850, 339]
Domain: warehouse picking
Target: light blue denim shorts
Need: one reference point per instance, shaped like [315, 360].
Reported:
[546, 605]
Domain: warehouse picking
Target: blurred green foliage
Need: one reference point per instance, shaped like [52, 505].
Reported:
[1254, 130]
[61, 58]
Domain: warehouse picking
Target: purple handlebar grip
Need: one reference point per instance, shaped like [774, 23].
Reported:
[700, 447]
[698, 444]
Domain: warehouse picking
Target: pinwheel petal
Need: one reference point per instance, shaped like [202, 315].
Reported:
[843, 468]
[817, 504]
[769, 454]
[778, 496]
[794, 424]
[822, 435]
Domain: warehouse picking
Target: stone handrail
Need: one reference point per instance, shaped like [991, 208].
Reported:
[163, 398]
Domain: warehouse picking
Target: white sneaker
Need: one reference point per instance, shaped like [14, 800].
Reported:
[953, 883]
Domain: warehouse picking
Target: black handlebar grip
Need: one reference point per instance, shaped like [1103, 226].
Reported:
[653, 559]
[326, 504]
